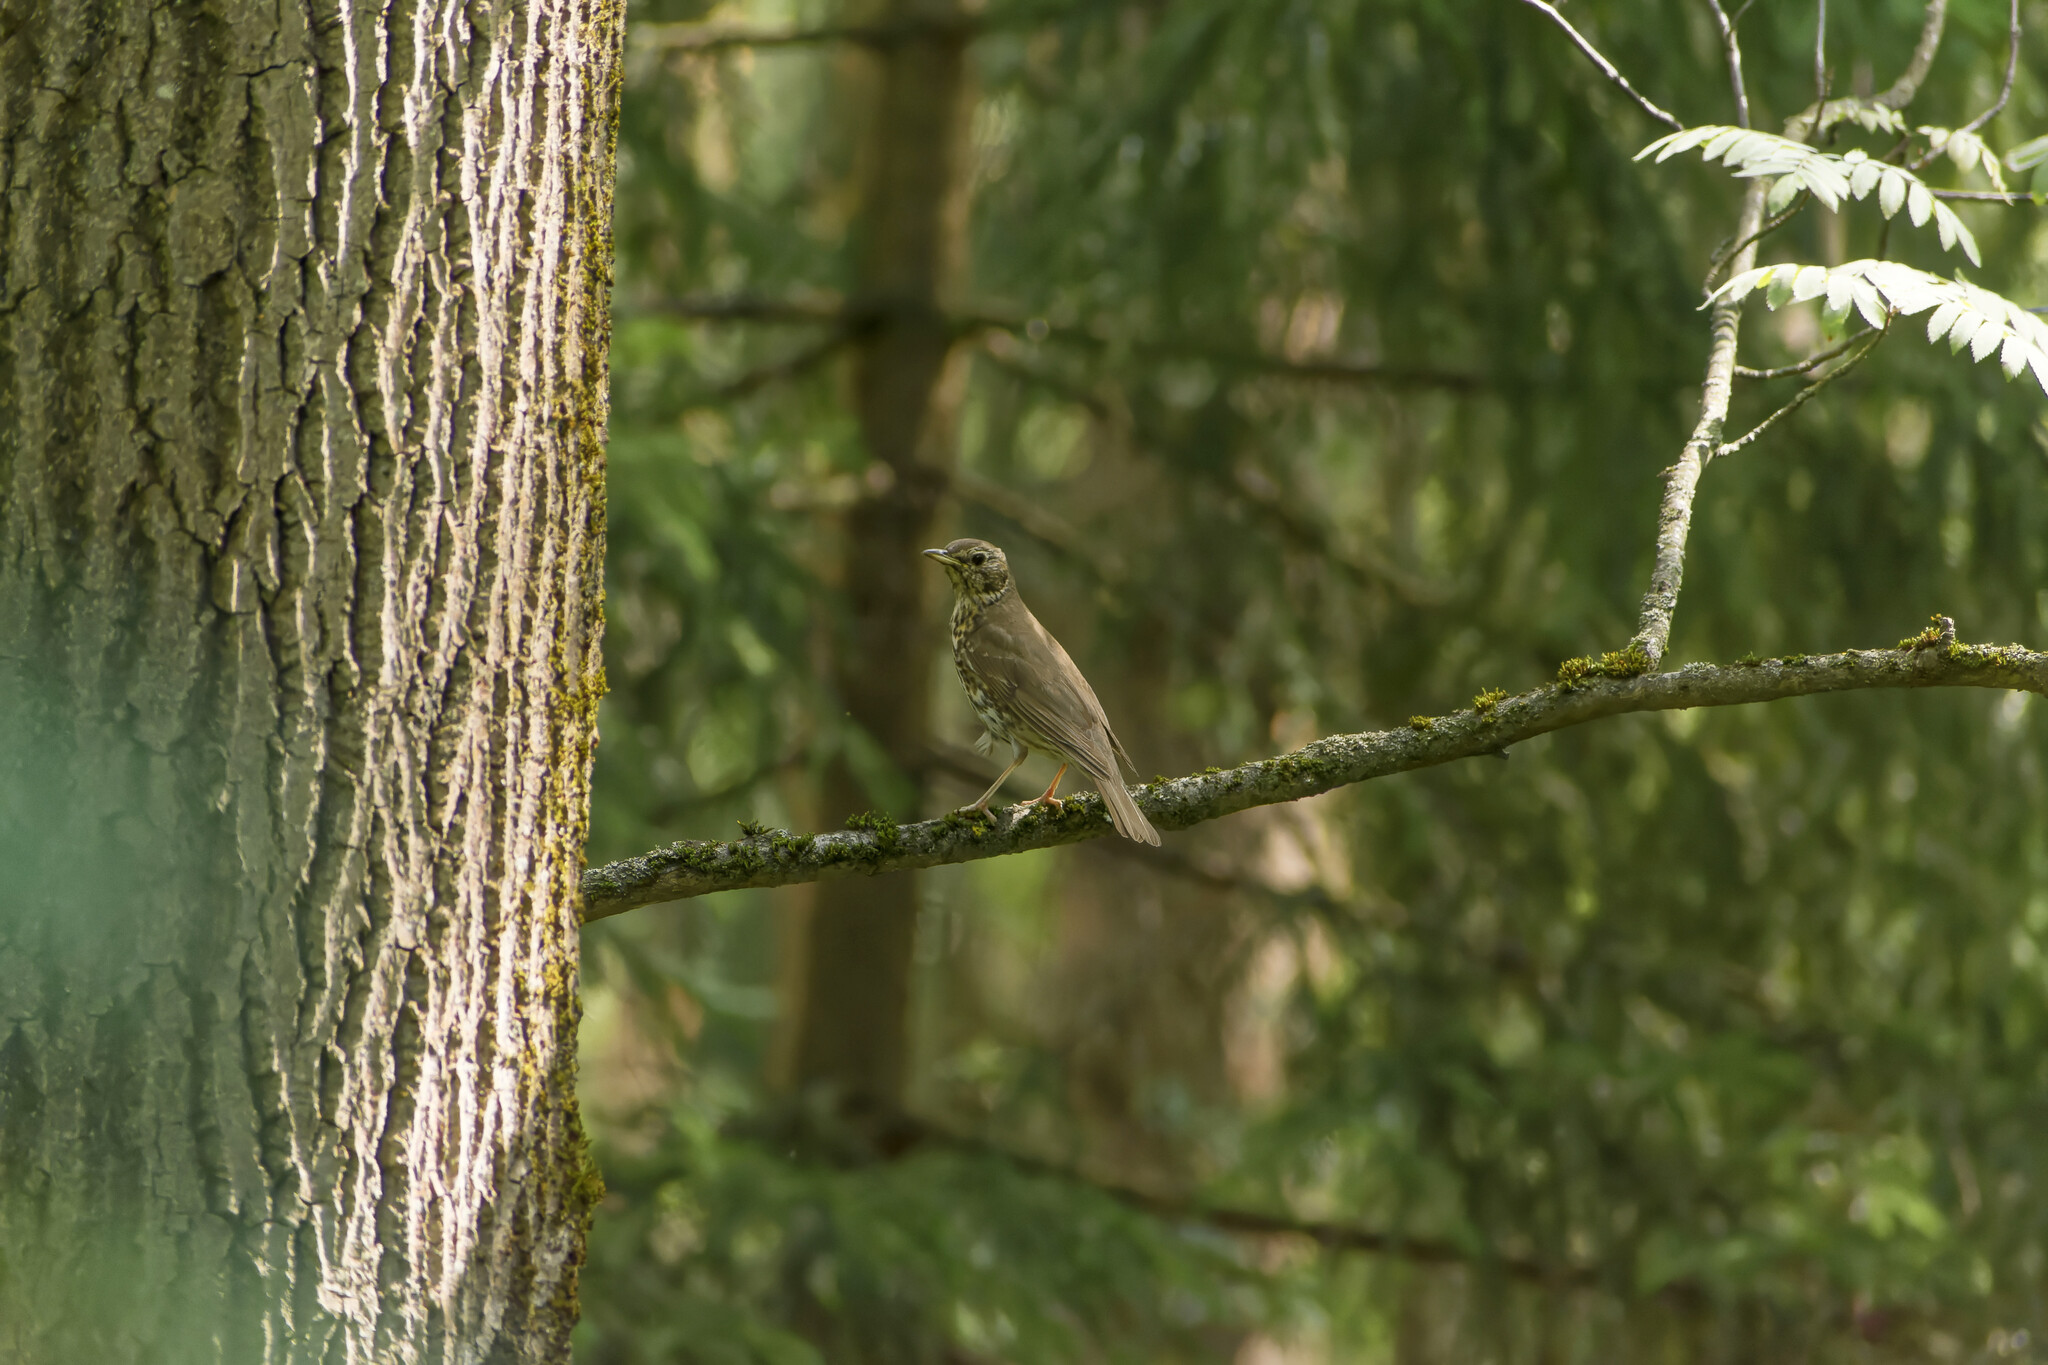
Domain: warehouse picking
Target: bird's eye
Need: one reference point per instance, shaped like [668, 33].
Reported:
[980, 557]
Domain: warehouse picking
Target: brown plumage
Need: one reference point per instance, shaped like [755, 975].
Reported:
[1025, 688]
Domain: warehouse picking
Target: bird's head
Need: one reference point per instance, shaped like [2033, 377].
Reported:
[978, 569]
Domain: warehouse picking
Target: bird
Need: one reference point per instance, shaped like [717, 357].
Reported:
[1026, 690]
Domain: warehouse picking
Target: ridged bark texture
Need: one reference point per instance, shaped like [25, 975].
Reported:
[302, 388]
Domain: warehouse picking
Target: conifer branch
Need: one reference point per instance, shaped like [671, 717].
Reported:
[1330, 1235]
[862, 315]
[1588, 690]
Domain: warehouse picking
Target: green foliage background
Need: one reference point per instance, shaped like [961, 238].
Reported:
[1716, 1035]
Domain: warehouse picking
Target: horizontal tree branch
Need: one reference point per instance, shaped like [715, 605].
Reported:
[691, 868]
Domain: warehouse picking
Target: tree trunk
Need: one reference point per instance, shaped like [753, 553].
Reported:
[302, 389]
[850, 978]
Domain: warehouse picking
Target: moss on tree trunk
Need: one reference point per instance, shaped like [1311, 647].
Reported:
[302, 386]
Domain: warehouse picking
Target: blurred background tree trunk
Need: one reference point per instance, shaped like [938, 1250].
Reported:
[302, 387]
[850, 945]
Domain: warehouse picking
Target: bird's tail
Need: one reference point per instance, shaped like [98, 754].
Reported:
[1123, 812]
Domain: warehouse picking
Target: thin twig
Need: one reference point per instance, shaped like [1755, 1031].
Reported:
[1805, 395]
[1722, 255]
[1994, 196]
[2012, 67]
[1811, 362]
[1820, 53]
[1607, 68]
[1734, 50]
[690, 869]
[1908, 84]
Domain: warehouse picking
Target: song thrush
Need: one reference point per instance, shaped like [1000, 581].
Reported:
[1025, 688]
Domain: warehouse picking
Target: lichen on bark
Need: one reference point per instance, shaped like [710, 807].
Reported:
[302, 394]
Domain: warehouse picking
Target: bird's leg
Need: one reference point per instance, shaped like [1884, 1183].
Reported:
[1018, 753]
[1049, 799]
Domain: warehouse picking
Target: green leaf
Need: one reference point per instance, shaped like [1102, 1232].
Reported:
[2033, 152]
[1963, 313]
[1828, 177]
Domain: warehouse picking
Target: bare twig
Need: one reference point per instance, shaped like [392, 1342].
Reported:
[1729, 248]
[1607, 68]
[1800, 399]
[2012, 67]
[1820, 53]
[693, 869]
[1734, 51]
[1681, 480]
[1801, 367]
[2009, 197]
[1907, 85]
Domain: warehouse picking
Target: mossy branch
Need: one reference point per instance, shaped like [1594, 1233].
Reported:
[1588, 690]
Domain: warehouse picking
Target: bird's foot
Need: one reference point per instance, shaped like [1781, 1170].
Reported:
[1052, 803]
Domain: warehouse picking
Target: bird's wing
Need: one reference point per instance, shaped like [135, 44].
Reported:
[1025, 668]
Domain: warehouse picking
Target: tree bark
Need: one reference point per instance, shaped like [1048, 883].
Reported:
[302, 390]
[850, 972]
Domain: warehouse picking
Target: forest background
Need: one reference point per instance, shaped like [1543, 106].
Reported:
[1318, 365]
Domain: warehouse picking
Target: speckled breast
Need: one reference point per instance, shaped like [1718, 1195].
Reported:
[978, 697]
[966, 616]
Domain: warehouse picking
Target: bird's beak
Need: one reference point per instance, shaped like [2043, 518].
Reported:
[940, 555]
